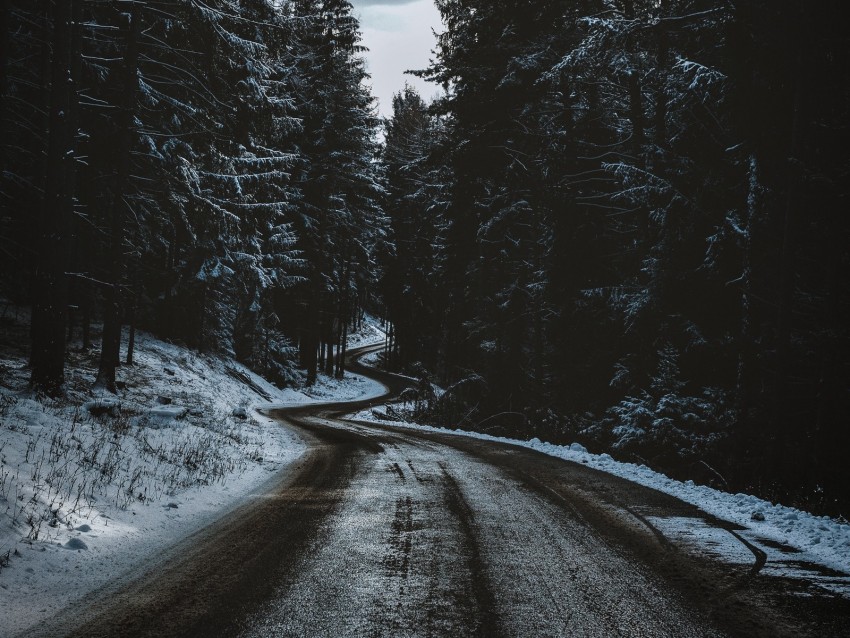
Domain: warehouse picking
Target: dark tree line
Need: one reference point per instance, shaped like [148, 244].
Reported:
[201, 168]
[625, 223]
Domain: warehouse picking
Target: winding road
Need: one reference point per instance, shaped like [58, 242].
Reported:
[381, 531]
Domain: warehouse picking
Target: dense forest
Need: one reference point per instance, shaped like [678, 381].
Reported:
[621, 224]
[203, 169]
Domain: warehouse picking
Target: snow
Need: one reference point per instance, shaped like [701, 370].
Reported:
[373, 359]
[369, 334]
[798, 544]
[94, 486]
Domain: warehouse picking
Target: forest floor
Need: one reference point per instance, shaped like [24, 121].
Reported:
[92, 485]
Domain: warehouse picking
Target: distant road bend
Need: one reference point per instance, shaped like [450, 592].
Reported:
[393, 532]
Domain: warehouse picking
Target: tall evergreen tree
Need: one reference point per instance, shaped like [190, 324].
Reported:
[340, 192]
[411, 203]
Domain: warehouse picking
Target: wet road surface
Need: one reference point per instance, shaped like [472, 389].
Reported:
[382, 531]
[431, 541]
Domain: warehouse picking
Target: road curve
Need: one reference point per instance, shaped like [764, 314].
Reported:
[390, 532]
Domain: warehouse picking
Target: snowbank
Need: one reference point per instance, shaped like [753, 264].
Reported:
[353, 387]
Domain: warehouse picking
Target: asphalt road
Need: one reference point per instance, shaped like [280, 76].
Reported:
[390, 532]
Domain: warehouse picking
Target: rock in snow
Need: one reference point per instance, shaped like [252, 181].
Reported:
[99, 407]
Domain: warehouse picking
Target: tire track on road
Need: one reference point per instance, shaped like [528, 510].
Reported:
[482, 589]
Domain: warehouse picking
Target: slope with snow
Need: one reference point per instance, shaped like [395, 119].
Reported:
[95, 485]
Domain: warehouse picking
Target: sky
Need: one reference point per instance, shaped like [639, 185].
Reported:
[398, 36]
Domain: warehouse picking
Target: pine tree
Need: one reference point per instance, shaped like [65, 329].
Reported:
[408, 268]
[340, 192]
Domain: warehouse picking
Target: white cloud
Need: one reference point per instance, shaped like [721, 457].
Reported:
[399, 37]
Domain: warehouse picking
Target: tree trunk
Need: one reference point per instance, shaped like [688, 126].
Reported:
[73, 309]
[49, 315]
[310, 344]
[311, 334]
[343, 347]
[746, 354]
[329, 359]
[87, 302]
[4, 61]
[344, 318]
[390, 358]
[110, 350]
[784, 421]
[386, 326]
[131, 320]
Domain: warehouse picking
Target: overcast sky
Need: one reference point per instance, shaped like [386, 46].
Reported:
[398, 35]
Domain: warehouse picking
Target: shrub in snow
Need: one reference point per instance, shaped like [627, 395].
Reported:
[666, 423]
[76, 543]
[453, 407]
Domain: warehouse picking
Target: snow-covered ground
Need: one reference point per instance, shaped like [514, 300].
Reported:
[797, 544]
[93, 485]
[369, 334]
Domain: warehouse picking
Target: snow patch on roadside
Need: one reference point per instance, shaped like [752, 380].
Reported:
[369, 334]
[353, 387]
